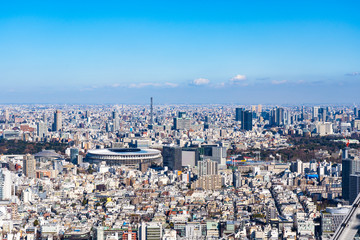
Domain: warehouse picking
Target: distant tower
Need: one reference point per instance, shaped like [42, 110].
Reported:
[57, 126]
[116, 121]
[6, 115]
[151, 112]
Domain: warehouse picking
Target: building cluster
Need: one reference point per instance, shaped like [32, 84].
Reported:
[166, 172]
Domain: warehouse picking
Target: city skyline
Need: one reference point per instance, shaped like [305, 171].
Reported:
[238, 53]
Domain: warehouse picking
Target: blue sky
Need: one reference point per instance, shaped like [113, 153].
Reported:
[180, 52]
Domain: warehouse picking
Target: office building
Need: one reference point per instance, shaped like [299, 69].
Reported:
[315, 113]
[239, 114]
[115, 121]
[57, 125]
[190, 156]
[279, 117]
[350, 166]
[354, 187]
[172, 157]
[29, 166]
[247, 123]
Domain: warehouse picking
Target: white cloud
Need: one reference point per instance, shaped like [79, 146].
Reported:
[276, 82]
[238, 78]
[201, 81]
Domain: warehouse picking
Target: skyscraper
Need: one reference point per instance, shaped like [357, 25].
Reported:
[247, 123]
[354, 187]
[57, 125]
[29, 166]
[6, 115]
[279, 121]
[315, 113]
[116, 121]
[239, 114]
[350, 166]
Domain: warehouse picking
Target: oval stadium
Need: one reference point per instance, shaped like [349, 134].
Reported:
[136, 158]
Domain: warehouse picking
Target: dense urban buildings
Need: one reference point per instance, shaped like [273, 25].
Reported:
[177, 172]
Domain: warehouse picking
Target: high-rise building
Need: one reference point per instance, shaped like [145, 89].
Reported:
[322, 114]
[6, 115]
[116, 121]
[354, 187]
[247, 123]
[350, 166]
[41, 130]
[151, 112]
[356, 112]
[57, 125]
[207, 167]
[5, 184]
[279, 120]
[315, 113]
[172, 157]
[29, 166]
[239, 114]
